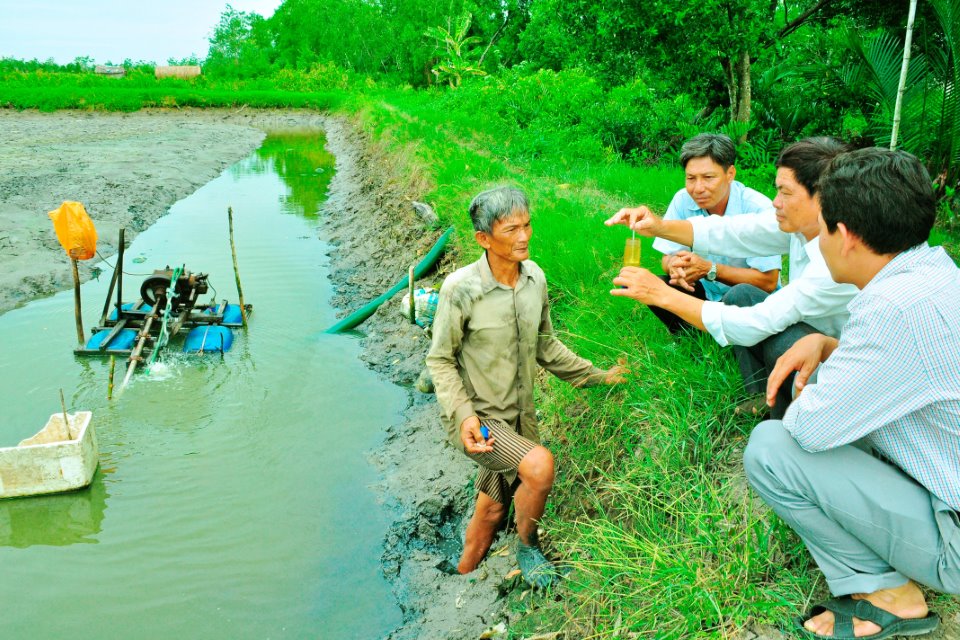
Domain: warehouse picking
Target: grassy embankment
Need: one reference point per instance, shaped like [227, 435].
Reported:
[650, 507]
[50, 91]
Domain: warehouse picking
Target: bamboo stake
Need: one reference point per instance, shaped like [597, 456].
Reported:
[76, 301]
[106, 304]
[903, 75]
[236, 271]
[113, 364]
[114, 281]
[66, 423]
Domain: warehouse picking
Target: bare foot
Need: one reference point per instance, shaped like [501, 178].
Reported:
[906, 601]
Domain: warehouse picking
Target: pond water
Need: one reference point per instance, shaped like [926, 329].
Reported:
[234, 497]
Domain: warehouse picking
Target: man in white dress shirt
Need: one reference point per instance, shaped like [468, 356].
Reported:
[761, 326]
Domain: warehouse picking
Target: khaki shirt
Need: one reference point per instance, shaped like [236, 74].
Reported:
[487, 342]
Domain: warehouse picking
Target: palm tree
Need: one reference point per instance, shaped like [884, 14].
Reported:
[922, 98]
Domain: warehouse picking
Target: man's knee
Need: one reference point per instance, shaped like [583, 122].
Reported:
[744, 295]
[536, 469]
[778, 344]
[769, 441]
[492, 512]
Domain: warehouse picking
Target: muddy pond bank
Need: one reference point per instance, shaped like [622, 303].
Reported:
[128, 169]
[377, 235]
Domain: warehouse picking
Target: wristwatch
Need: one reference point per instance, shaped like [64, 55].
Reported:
[712, 274]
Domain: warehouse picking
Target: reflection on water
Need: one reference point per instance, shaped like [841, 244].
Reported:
[238, 485]
[306, 169]
[55, 520]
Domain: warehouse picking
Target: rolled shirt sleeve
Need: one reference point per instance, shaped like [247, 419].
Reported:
[765, 263]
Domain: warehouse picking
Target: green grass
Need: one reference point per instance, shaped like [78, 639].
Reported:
[56, 91]
[650, 507]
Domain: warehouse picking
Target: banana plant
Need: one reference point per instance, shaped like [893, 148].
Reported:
[461, 51]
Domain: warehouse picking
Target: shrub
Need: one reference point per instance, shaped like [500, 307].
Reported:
[321, 76]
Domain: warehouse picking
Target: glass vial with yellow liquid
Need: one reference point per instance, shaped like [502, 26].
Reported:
[631, 252]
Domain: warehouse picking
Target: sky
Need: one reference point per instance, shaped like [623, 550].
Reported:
[114, 30]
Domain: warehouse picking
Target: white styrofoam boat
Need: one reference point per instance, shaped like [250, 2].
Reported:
[53, 460]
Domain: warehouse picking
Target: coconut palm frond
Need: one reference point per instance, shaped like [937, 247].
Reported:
[947, 70]
[881, 57]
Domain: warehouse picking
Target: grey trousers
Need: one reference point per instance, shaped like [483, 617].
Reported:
[676, 324]
[757, 361]
[867, 524]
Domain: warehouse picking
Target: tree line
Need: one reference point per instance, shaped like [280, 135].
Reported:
[637, 75]
[765, 71]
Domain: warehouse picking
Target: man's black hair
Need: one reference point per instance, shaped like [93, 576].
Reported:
[809, 158]
[883, 197]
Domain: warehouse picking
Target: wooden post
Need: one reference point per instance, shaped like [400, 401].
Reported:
[76, 301]
[116, 280]
[120, 276]
[236, 271]
[113, 364]
[66, 422]
[106, 304]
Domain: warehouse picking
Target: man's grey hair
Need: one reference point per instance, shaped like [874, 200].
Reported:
[715, 146]
[496, 204]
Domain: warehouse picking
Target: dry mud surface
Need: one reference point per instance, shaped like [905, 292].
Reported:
[128, 169]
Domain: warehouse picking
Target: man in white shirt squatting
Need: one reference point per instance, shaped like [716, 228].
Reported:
[865, 466]
[761, 326]
[711, 189]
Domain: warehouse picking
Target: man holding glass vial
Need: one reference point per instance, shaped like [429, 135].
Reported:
[761, 326]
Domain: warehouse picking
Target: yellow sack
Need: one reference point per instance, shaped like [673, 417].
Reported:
[75, 230]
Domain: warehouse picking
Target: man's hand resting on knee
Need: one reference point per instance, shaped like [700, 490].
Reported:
[803, 357]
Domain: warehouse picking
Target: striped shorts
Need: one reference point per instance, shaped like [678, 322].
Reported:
[498, 468]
